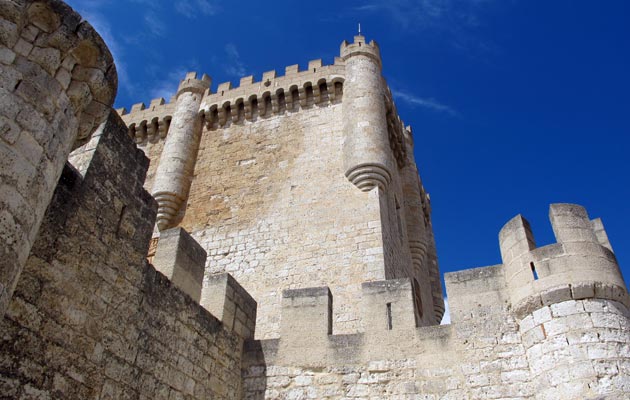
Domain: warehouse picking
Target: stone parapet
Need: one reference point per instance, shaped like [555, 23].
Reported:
[182, 260]
[273, 95]
[578, 266]
[226, 299]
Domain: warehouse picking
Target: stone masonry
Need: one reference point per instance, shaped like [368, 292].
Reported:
[266, 241]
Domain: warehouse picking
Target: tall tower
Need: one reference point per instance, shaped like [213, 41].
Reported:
[177, 162]
[367, 156]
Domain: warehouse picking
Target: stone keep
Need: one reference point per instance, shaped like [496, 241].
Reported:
[269, 202]
[266, 241]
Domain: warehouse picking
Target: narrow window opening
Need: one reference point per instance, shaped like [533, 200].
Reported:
[533, 267]
[323, 92]
[214, 116]
[295, 98]
[282, 102]
[338, 90]
[309, 95]
[228, 113]
[267, 105]
[389, 316]
[254, 108]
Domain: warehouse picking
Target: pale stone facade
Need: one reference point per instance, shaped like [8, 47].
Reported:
[269, 202]
[303, 189]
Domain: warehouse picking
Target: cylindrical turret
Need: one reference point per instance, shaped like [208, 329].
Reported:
[416, 227]
[177, 162]
[553, 273]
[571, 305]
[434, 272]
[367, 155]
[58, 82]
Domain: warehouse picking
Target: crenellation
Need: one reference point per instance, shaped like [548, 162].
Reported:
[156, 103]
[545, 275]
[292, 70]
[314, 64]
[268, 76]
[274, 85]
[137, 107]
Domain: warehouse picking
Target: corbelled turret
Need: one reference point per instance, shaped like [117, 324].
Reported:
[177, 162]
[366, 150]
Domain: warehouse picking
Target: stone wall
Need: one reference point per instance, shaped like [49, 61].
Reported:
[479, 356]
[90, 318]
[270, 205]
[572, 341]
[570, 350]
[577, 347]
[271, 201]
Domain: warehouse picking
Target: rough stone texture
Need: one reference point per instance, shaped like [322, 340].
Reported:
[579, 349]
[569, 350]
[347, 279]
[180, 258]
[177, 161]
[57, 83]
[90, 318]
[269, 201]
[479, 356]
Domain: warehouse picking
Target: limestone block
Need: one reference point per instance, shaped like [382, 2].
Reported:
[226, 299]
[181, 259]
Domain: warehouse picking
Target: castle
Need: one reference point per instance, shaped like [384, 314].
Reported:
[266, 241]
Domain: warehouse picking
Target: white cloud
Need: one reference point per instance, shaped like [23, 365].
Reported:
[455, 21]
[167, 85]
[233, 66]
[194, 8]
[446, 319]
[425, 102]
[424, 13]
[154, 24]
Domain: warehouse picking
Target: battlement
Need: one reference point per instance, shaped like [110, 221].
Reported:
[580, 265]
[360, 47]
[191, 84]
[388, 312]
[318, 85]
[274, 94]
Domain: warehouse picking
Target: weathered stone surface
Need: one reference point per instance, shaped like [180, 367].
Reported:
[90, 317]
[28, 68]
[347, 279]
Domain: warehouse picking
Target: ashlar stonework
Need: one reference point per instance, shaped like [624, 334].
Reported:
[266, 241]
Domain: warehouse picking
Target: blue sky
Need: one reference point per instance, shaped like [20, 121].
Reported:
[515, 104]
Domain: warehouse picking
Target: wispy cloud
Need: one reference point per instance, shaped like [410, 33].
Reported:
[446, 319]
[455, 20]
[425, 102]
[154, 24]
[166, 86]
[195, 8]
[426, 13]
[233, 65]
